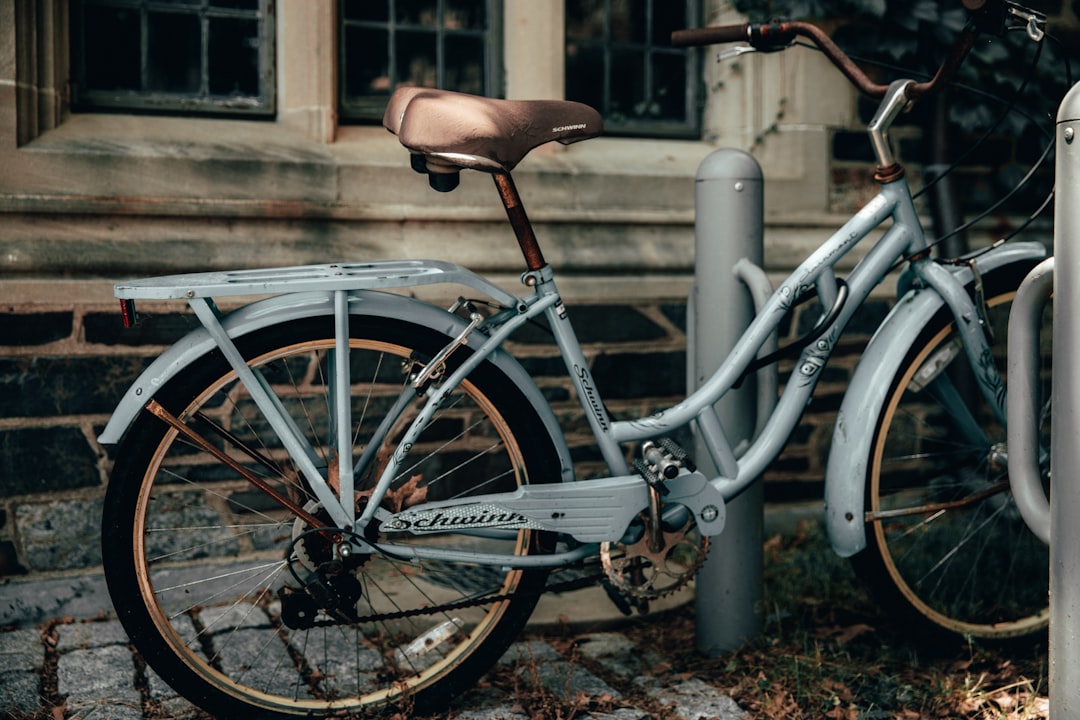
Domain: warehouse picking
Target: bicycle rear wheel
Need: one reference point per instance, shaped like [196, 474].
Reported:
[208, 573]
[947, 547]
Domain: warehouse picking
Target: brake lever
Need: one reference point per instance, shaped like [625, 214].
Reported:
[1032, 21]
[758, 45]
[734, 51]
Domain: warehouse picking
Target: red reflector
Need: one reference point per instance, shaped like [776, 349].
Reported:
[128, 313]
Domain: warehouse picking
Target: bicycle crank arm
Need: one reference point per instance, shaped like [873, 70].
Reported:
[590, 511]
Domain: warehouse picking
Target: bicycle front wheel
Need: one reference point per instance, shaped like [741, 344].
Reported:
[227, 593]
[947, 546]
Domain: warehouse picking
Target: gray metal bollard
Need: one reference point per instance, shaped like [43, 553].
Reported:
[727, 228]
[1065, 434]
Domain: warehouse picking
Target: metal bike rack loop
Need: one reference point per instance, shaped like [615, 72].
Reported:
[728, 283]
[1053, 519]
[1025, 473]
[1065, 445]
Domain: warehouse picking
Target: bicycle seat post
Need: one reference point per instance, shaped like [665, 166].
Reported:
[523, 229]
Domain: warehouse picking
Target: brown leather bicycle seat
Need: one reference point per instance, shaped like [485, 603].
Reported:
[456, 129]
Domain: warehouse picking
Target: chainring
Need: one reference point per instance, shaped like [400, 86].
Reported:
[645, 574]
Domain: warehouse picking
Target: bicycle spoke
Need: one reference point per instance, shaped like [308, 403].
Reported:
[313, 629]
[949, 545]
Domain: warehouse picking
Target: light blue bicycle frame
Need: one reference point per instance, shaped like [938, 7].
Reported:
[592, 511]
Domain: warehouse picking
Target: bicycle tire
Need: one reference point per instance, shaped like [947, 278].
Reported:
[195, 557]
[974, 570]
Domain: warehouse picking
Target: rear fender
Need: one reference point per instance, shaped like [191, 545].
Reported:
[285, 308]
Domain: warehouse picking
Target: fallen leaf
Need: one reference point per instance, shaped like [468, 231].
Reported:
[853, 631]
[409, 494]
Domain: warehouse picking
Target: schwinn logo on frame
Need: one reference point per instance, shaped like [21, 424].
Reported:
[460, 518]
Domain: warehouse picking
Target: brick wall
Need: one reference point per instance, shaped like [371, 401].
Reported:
[63, 369]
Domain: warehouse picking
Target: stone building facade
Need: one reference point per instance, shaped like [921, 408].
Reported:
[87, 199]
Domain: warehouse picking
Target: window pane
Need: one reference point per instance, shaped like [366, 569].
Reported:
[669, 16]
[174, 53]
[585, 74]
[375, 10]
[629, 21]
[619, 60]
[628, 84]
[464, 65]
[669, 86]
[112, 48]
[416, 61]
[367, 70]
[465, 15]
[236, 4]
[234, 56]
[432, 43]
[585, 19]
[417, 12]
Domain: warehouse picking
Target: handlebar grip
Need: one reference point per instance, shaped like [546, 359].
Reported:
[710, 35]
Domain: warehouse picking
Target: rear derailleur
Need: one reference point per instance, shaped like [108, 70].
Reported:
[330, 591]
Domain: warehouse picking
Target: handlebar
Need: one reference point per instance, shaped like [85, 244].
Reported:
[776, 35]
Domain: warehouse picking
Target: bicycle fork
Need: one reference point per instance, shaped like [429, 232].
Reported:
[975, 335]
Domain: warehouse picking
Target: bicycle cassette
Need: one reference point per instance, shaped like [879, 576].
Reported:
[643, 573]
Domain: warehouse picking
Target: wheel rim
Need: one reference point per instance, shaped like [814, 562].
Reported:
[960, 549]
[316, 659]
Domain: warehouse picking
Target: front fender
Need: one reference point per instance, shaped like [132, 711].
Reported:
[285, 308]
[864, 399]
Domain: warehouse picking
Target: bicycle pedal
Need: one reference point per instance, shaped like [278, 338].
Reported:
[654, 480]
[676, 452]
[662, 461]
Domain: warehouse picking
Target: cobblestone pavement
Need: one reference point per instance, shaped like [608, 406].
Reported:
[64, 655]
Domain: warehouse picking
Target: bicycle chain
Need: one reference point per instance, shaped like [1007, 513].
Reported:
[576, 584]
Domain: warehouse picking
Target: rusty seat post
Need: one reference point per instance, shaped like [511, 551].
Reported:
[448, 131]
[523, 229]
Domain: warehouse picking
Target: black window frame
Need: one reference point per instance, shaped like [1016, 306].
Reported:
[363, 108]
[623, 125]
[201, 102]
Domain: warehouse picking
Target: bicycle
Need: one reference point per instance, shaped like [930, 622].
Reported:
[392, 492]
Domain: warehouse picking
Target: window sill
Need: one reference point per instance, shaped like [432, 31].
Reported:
[145, 165]
[153, 165]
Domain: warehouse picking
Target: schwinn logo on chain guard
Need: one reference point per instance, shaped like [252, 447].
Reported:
[460, 517]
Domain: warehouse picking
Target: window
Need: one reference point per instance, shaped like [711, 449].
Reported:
[449, 44]
[202, 56]
[619, 59]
